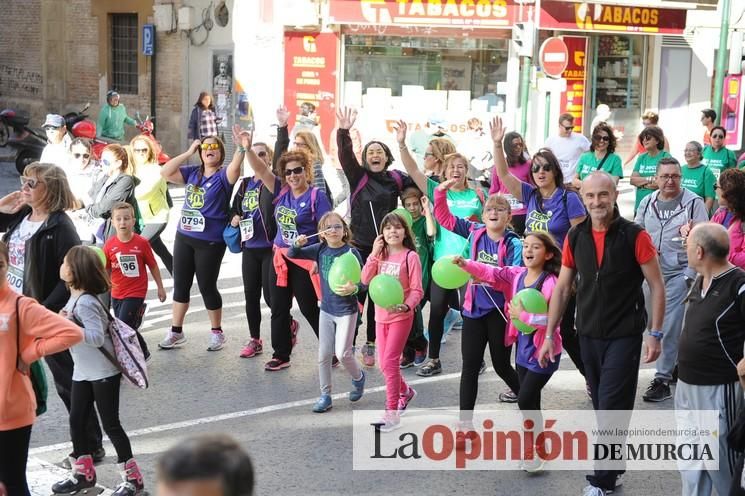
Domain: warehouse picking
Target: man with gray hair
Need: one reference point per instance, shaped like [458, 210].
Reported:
[667, 215]
[710, 346]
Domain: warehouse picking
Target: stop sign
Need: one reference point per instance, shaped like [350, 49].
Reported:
[553, 57]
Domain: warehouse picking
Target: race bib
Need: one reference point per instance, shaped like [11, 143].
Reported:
[289, 236]
[15, 279]
[247, 229]
[128, 265]
[515, 204]
[192, 221]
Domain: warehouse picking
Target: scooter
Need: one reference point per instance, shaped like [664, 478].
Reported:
[15, 133]
[146, 128]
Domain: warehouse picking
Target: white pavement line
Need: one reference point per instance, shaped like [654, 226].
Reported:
[41, 475]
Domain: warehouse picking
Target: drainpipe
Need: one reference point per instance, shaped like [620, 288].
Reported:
[716, 102]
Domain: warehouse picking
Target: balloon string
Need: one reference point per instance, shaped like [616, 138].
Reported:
[375, 224]
[492, 300]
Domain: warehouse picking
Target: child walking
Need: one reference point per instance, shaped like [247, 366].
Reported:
[339, 306]
[95, 379]
[424, 230]
[394, 253]
[127, 255]
[542, 259]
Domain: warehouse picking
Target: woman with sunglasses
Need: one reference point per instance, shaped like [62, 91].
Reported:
[199, 246]
[518, 161]
[152, 196]
[298, 208]
[645, 168]
[253, 212]
[550, 208]
[717, 157]
[602, 156]
[698, 178]
[82, 168]
[39, 233]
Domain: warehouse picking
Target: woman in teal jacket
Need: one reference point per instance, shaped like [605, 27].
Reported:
[112, 118]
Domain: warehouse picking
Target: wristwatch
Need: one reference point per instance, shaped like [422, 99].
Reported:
[655, 334]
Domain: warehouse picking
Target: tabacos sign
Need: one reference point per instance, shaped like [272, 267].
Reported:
[599, 17]
[496, 13]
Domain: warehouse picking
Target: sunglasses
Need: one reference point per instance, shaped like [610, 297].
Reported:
[717, 136]
[52, 128]
[716, 186]
[106, 163]
[261, 154]
[568, 128]
[84, 155]
[31, 182]
[428, 154]
[598, 137]
[538, 167]
[209, 146]
[297, 171]
[140, 150]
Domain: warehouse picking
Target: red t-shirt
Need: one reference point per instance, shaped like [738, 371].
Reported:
[127, 262]
[644, 249]
[707, 137]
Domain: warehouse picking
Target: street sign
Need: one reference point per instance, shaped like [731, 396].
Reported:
[553, 57]
[148, 39]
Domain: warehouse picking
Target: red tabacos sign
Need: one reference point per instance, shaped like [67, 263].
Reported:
[599, 17]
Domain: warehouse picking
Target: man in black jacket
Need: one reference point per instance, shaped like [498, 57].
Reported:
[613, 257]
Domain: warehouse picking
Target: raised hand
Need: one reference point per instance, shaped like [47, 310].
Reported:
[425, 202]
[401, 129]
[377, 247]
[241, 137]
[11, 203]
[346, 117]
[446, 185]
[194, 147]
[283, 115]
[497, 130]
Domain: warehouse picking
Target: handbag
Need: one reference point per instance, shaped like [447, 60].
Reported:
[232, 237]
[35, 370]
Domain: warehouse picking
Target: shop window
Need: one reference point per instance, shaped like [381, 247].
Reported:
[473, 65]
[124, 53]
[618, 72]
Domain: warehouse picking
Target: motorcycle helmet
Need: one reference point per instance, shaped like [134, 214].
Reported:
[111, 94]
[84, 129]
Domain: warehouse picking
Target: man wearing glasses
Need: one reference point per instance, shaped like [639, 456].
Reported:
[57, 150]
[668, 215]
[568, 146]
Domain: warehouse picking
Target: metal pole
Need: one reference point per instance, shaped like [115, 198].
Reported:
[152, 83]
[716, 102]
[547, 117]
[524, 92]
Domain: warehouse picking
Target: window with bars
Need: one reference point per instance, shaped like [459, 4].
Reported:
[124, 53]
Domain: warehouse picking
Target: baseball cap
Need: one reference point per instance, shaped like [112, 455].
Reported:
[54, 120]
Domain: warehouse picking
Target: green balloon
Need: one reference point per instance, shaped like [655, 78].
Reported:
[386, 291]
[532, 300]
[523, 327]
[98, 251]
[448, 275]
[402, 212]
[345, 268]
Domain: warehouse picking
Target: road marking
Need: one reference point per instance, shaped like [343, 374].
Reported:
[41, 475]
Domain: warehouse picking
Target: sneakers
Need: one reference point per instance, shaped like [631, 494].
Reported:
[432, 367]
[420, 357]
[217, 341]
[404, 400]
[276, 364]
[368, 354]
[389, 421]
[82, 476]
[483, 367]
[294, 327]
[323, 404]
[253, 347]
[132, 483]
[507, 397]
[658, 390]
[97, 456]
[358, 388]
[593, 491]
[406, 362]
[619, 483]
[172, 340]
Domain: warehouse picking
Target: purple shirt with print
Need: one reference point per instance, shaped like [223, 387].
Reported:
[249, 208]
[295, 216]
[554, 213]
[206, 201]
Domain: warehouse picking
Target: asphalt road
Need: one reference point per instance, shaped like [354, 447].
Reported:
[295, 451]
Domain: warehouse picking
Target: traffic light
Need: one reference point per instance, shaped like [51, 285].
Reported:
[523, 35]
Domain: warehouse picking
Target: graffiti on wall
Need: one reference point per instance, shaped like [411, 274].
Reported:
[20, 81]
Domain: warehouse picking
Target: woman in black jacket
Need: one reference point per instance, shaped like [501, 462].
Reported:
[39, 233]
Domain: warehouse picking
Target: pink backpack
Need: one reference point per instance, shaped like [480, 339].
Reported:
[128, 356]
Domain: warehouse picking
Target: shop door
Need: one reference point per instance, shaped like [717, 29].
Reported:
[675, 76]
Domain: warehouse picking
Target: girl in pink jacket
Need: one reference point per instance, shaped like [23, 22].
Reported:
[394, 253]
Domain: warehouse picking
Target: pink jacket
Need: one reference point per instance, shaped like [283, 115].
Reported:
[407, 267]
[506, 279]
[736, 243]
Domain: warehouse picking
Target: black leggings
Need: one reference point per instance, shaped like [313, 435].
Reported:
[476, 334]
[105, 394]
[152, 233]
[361, 297]
[13, 458]
[257, 272]
[203, 258]
[299, 285]
[531, 384]
[441, 300]
[569, 336]
[61, 366]
[130, 311]
[416, 340]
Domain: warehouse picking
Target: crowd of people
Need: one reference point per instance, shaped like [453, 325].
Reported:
[547, 221]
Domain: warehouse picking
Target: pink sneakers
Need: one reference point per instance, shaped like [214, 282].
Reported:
[253, 347]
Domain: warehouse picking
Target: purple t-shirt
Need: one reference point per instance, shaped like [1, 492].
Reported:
[484, 297]
[554, 213]
[525, 354]
[296, 216]
[252, 226]
[206, 204]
